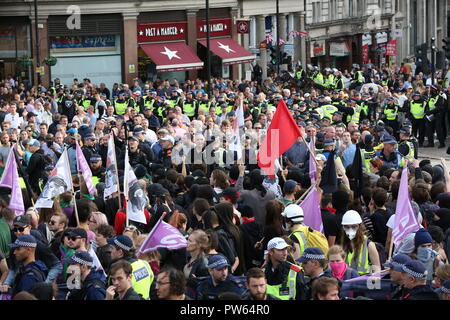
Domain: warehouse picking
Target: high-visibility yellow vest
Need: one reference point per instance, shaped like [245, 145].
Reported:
[86, 103]
[205, 107]
[329, 82]
[286, 290]
[367, 156]
[173, 102]
[95, 180]
[432, 103]
[299, 74]
[302, 242]
[356, 115]
[362, 263]
[328, 110]
[418, 110]
[359, 77]
[318, 78]
[189, 109]
[391, 114]
[142, 278]
[410, 155]
[148, 102]
[121, 107]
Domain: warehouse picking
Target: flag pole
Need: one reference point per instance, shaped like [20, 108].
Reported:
[117, 172]
[309, 149]
[125, 184]
[152, 232]
[24, 177]
[78, 166]
[73, 194]
[305, 193]
[391, 246]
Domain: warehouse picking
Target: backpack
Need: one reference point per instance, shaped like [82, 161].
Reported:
[315, 239]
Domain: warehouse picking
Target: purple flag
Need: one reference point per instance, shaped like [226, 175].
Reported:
[312, 163]
[311, 210]
[83, 167]
[163, 235]
[10, 179]
[405, 220]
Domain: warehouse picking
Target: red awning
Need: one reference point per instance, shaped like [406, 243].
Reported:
[229, 51]
[172, 56]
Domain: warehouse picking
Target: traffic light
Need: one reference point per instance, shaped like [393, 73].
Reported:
[284, 58]
[273, 56]
[422, 57]
[446, 47]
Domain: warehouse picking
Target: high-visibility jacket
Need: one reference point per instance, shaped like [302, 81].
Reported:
[361, 264]
[121, 107]
[142, 278]
[205, 107]
[356, 115]
[318, 78]
[86, 103]
[359, 77]
[432, 103]
[287, 289]
[329, 81]
[149, 102]
[391, 114]
[367, 156]
[339, 83]
[302, 241]
[410, 156]
[189, 108]
[417, 110]
[299, 74]
[328, 110]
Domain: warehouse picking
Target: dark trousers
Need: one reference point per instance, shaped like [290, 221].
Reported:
[418, 128]
[394, 125]
[433, 126]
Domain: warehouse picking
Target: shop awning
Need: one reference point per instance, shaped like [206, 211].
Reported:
[229, 51]
[172, 56]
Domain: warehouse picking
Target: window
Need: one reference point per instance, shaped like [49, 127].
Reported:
[350, 7]
[333, 10]
[316, 11]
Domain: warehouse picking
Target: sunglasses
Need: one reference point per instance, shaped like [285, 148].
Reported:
[52, 222]
[73, 238]
[20, 229]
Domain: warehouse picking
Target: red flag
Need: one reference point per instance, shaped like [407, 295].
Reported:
[281, 135]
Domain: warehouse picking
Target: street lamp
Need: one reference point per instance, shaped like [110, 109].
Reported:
[433, 59]
[208, 54]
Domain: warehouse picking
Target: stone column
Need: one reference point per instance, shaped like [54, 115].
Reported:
[261, 36]
[192, 38]
[43, 49]
[303, 39]
[130, 47]
[283, 34]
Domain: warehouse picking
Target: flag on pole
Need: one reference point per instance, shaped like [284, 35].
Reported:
[281, 135]
[312, 163]
[356, 182]
[238, 123]
[84, 169]
[163, 235]
[135, 196]
[311, 210]
[10, 179]
[405, 220]
[328, 181]
[59, 181]
[111, 172]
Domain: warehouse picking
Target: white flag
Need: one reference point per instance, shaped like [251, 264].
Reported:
[111, 165]
[60, 181]
[238, 123]
[136, 198]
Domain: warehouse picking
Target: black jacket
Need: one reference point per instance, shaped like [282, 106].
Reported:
[422, 292]
[35, 168]
[130, 295]
[252, 233]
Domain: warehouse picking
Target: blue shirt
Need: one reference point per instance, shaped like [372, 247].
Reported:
[298, 153]
[348, 155]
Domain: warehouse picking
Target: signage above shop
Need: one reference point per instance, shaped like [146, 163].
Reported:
[367, 39]
[217, 28]
[339, 49]
[243, 26]
[318, 48]
[164, 31]
[382, 37]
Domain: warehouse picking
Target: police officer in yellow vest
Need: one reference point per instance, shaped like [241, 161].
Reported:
[416, 113]
[190, 106]
[368, 152]
[120, 104]
[142, 280]
[285, 280]
[329, 79]
[87, 101]
[97, 169]
[406, 147]
[391, 115]
[204, 104]
[313, 262]
[358, 78]
[328, 108]
[361, 252]
[318, 77]
[150, 99]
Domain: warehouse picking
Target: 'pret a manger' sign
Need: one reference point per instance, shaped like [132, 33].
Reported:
[166, 31]
[217, 27]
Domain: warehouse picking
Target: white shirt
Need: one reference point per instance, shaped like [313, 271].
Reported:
[150, 136]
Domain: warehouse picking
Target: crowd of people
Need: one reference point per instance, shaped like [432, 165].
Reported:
[245, 231]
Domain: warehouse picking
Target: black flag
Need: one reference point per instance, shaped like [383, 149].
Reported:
[356, 173]
[328, 182]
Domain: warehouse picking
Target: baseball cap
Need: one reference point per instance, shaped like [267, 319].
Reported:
[398, 261]
[34, 142]
[133, 138]
[404, 130]
[123, 242]
[81, 257]
[321, 157]
[217, 261]
[27, 240]
[78, 232]
[138, 130]
[277, 243]
[312, 253]
[95, 158]
[289, 186]
[163, 131]
[416, 269]
[389, 140]
[89, 137]
[22, 221]
[168, 138]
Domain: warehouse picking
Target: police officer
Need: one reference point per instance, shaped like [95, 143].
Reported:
[190, 106]
[89, 148]
[389, 155]
[406, 147]
[318, 77]
[219, 280]
[150, 100]
[395, 275]
[142, 280]
[93, 282]
[368, 151]
[358, 78]
[416, 113]
[300, 75]
[434, 111]
[339, 83]
[120, 104]
[414, 278]
[391, 115]
[31, 271]
[285, 280]
[204, 104]
[313, 261]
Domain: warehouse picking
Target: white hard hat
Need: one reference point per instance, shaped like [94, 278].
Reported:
[351, 217]
[294, 213]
